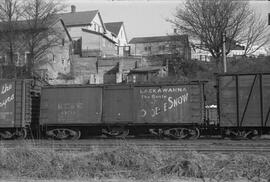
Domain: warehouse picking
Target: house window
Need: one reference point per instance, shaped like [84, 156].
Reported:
[26, 57]
[63, 61]
[5, 60]
[2, 60]
[147, 48]
[16, 59]
[162, 47]
[173, 47]
[63, 41]
[268, 18]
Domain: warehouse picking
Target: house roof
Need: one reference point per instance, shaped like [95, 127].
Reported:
[138, 40]
[114, 27]
[25, 25]
[78, 18]
[98, 33]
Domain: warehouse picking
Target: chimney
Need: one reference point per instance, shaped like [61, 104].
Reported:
[73, 8]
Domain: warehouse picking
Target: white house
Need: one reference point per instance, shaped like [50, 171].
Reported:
[89, 22]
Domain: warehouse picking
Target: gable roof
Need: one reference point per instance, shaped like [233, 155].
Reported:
[24, 25]
[114, 27]
[138, 40]
[78, 18]
[98, 33]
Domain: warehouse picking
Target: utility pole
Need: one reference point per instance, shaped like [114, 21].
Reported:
[224, 52]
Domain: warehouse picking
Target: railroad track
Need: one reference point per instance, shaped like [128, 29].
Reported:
[257, 146]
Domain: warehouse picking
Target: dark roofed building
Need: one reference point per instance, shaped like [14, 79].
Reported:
[161, 45]
[49, 62]
[147, 73]
[79, 18]
[75, 21]
[114, 27]
[118, 30]
[88, 33]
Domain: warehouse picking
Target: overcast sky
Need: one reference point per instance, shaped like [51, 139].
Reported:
[144, 17]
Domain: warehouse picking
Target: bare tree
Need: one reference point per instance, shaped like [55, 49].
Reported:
[257, 34]
[9, 16]
[41, 34]
[208, 21]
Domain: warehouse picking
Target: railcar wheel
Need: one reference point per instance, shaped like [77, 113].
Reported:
[20, 135]
[194, 133]
[64, 134]
[177, 133]
[5, 135]
[241, 134]
[118, 132]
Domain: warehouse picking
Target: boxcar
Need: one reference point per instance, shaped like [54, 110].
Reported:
[15, 108]
[175, 110]
[244, 104]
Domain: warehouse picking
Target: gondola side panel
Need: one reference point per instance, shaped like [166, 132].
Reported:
[168, 104]
[117, 104]
[70, 105]
[7, 103]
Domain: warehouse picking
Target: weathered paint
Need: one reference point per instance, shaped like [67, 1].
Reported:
[125, 104]
[7, 98]
[15, 103]
[168, 104]
[117, 104]
[242, 107]
[71, 105]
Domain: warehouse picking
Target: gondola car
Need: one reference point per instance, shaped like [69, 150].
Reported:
[174, 110]
[16, 112]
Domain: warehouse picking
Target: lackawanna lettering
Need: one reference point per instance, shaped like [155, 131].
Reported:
[179, 100]
[172, 103]
[7, 100]
[161, 90]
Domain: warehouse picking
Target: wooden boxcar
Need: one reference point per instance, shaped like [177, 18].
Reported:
[174, 110]
[15, 108]
[244, 104]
